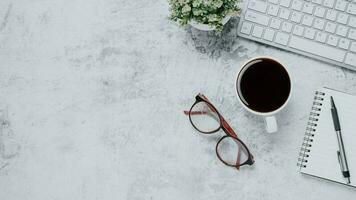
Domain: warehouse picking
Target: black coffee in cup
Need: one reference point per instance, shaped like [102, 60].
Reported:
[263, 85]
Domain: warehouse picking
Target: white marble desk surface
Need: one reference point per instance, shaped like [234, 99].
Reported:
[95, 91]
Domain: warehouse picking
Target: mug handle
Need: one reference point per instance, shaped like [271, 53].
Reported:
[271, 124]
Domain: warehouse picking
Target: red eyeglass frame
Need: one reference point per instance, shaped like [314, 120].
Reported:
[227, 129]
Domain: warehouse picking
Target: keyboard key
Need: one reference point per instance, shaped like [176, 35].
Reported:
[329, 3]
[308, 8]
[273, 10]
[319, 11]
[257, 5]
[331, 15]
[350, 59]
[351, 8]
[319, 23]
[298, 30]
[332, 40]
[296, 17]
[284, 13]
[330, 27]
[320, 37]
[275, 23]
[246, 28]
[340, 5]
[268, 35]
[353, 47]
[282, 38]
[285, 3]
[257, 18]
[307, 20]
[309, 33]
[316, 48]
[342, 18]
[352, 34]
[257, 31]
[287, 27]
[344, 43]
[297, 5]
[352, 22]
[341, 30]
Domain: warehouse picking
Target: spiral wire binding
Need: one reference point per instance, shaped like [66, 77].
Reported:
[310, 130]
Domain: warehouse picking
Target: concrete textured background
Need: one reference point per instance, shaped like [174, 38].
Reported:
[95, 91]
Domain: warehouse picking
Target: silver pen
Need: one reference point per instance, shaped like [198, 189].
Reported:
[341, 155]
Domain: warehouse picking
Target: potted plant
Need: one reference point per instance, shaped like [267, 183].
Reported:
[204, 14]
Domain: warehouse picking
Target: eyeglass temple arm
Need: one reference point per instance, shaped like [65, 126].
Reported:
[226, 125]
[228, 128]
[194, 112]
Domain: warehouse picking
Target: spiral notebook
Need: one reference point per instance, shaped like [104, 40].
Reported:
[318, 154]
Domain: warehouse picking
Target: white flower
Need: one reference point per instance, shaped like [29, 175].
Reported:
[196, 3]
[181, 2]
[212, 18]
[197, 12]
[206, 2]
[186, 9]
[218, 4]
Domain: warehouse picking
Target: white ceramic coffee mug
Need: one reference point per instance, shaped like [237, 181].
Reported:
[269, 117]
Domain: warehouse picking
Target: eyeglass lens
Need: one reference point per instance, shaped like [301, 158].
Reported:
[204, 117]
[231, 151]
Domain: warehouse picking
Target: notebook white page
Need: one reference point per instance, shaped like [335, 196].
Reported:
[323, 161]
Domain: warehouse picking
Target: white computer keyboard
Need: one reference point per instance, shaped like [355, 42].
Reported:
[322, 29]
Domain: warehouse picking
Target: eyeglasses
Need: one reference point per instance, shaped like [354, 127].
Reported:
[206, 119]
